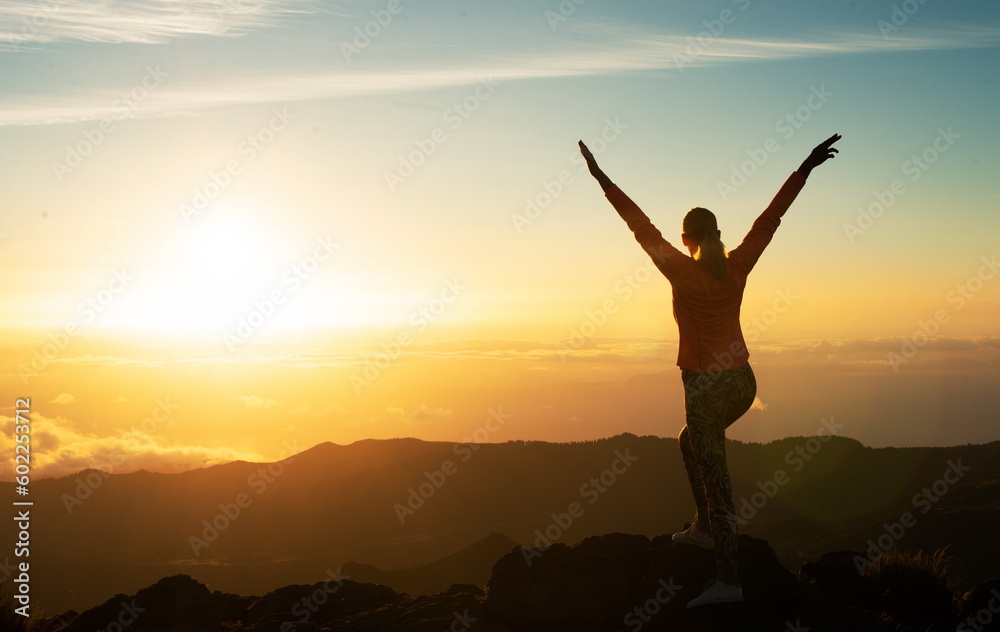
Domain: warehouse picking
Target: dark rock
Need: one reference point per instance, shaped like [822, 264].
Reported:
[605, 583]
[591, 583]
[460, 608]
[232, 607]
[181, 604]
[837, 574]
[319, 603]
[178, 602]
[979, 607]
[619, 581]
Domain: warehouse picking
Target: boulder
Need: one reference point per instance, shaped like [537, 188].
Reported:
[620, 581]
[979, 607]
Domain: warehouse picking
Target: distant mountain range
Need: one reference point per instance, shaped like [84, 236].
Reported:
[419, 516]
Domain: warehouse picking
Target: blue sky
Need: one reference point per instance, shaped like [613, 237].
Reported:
[227, 64]
[697, 89]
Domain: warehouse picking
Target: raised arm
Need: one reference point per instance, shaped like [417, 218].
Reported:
[748, 252]
[667, 258]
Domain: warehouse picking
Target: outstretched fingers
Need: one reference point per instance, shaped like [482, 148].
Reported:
[825, 150]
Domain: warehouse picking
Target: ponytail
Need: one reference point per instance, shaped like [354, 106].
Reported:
[712, 254]
[701, 227]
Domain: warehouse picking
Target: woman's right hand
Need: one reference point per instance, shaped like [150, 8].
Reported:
[595, 171]
[820, 154]
[589, 157]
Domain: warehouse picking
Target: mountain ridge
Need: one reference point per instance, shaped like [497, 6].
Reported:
[329, 446]
[246, 533]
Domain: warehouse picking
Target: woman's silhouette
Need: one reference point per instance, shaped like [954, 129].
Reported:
[719, 385]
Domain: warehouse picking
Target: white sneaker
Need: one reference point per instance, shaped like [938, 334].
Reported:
[717, 592]
[695, 537]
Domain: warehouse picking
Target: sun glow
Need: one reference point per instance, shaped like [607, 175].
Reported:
[209, 275]
[241, 268]
[225, 250]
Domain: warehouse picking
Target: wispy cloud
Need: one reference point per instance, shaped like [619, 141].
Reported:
[543, 353]
[627, 47]
[104, 360]
[425, 413]
[880, 345]
[616, 50]
[59, 448]
[25, 24]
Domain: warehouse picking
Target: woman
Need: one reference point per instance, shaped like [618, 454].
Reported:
[719, 385]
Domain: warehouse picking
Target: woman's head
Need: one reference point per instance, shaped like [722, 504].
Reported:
[702, 237]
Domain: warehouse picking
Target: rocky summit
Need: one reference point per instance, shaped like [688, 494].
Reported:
[608, 583]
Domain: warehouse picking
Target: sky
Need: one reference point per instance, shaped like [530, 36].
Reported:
[234, 229]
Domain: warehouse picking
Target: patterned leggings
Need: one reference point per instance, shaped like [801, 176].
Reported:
[713, 401]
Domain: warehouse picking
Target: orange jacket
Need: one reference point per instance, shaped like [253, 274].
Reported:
[707, 311]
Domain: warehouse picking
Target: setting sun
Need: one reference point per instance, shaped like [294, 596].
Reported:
[207, 275]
